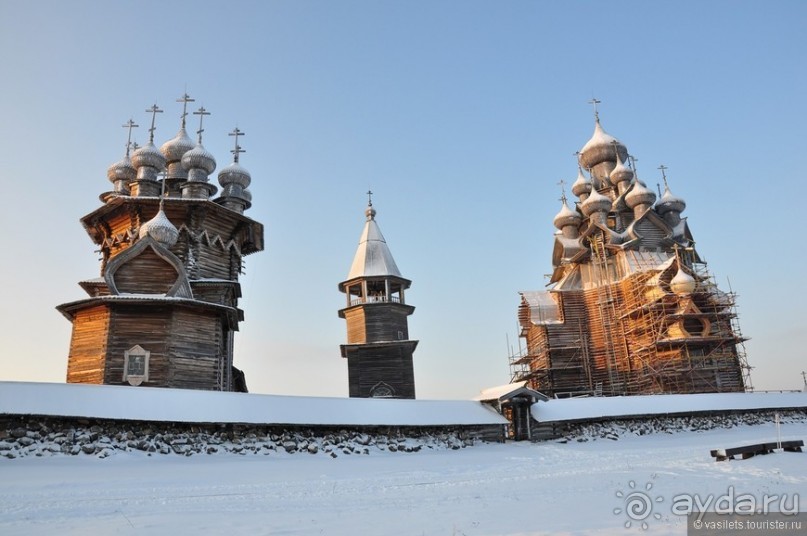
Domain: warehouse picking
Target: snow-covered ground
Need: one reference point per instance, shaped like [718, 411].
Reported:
[491, 489]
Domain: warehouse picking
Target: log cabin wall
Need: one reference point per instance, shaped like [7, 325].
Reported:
[369, 366]
[145, 325]
[88, 346]
[377, 322]
[147, 273]
[198, 351]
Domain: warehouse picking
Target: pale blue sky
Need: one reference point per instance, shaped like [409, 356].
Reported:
[460, 115]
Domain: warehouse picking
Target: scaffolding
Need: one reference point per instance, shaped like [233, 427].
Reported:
[628, 333]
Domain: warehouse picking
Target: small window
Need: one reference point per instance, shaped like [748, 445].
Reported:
[136, 365]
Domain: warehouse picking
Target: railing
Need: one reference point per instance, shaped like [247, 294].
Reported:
[375, 299]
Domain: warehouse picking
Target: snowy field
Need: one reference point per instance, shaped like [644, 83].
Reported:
[491, 489]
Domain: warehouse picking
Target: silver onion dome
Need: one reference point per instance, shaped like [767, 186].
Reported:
[121, 172]
[640, 195]
[174, 148]
[600, 148]
[670, 203]
[582, 186]
[595, 202]
[160, 229]
[198, 158]
[621, 172]
[234, 174]
[566, 216]
[148, 156]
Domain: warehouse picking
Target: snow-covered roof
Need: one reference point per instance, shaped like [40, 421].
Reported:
[373, 257]
[185, 405]
[501, 392]
[571, 409]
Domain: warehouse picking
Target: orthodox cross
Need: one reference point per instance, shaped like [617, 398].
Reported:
[633, 161]
[369, 198]
[154, 111]
[662, 167]
[237, 150]
[201, 112]
[185, 99]
[130, 125]
[615, 144]
[595, 102]
[562, 184]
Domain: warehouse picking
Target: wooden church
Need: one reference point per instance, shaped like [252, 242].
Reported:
[378, 350]
[165, 310]
[631, 307]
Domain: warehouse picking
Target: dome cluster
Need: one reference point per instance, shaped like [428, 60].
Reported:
[607, 185]
[180, 168]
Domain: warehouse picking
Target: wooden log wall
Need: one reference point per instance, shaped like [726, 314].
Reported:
[187, 347]
[88, 346]
[223, 294]
[145, 325]
[197, 350]
[377, 322]
[147, 273]
[391, 364]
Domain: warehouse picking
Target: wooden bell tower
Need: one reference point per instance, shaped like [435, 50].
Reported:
[378, 350]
